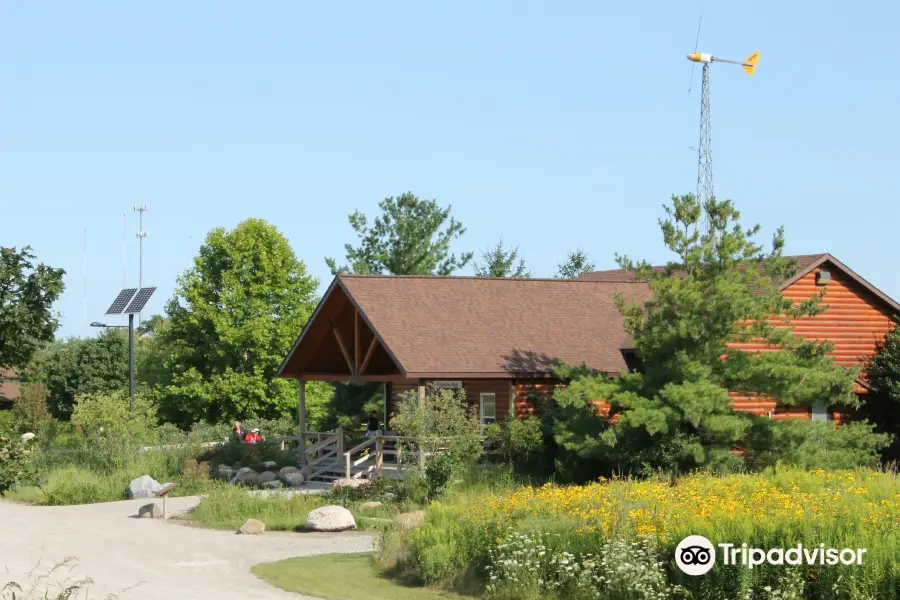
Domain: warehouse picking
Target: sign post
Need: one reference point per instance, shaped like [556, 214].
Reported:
[162, 491]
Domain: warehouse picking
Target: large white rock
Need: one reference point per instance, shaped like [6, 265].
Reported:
[293, 479]
[267, 476]
[248, 478]
[330, 518]
[225, 472]
[285, 470]
[252, 527]
[142, 487]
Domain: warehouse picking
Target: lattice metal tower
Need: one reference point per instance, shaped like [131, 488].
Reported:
[705, 189]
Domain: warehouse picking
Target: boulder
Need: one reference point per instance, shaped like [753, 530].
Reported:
[330, 518]
[243, 470]
[369, 506]
[269, 464]
[389, 496]
[248, 478]
[411, 520]
[27, 437]
[225, 472]
[293, 479]
[267, 476]
[142, 487]
[285, 470]
[150, 511]
[252, 527]
[350, 483]
[271, 485]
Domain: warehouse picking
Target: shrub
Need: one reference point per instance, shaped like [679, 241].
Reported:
[815, 445]
[446, 429]
[31, 408]
[13, 462]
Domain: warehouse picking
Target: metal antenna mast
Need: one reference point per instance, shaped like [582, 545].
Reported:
[141, 234]
[705, 190]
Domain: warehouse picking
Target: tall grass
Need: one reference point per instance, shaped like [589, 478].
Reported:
[228, 507]
[853, 509]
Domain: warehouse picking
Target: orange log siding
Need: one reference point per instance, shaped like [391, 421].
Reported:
[854, 321]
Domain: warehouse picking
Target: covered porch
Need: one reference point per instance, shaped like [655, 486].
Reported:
[498, 340]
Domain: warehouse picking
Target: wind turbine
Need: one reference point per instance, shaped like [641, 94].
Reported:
[704, 159]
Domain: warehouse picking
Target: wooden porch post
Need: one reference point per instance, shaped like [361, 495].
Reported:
[421, 391]
[384, 394]
[301, 418]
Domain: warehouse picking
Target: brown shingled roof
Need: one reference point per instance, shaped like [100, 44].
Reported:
[490, 327]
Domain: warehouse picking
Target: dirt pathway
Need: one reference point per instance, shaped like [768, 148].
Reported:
[165, 560]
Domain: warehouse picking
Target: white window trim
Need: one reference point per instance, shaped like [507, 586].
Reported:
[481, 415]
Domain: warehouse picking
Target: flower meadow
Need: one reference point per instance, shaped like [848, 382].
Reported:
[616, 539]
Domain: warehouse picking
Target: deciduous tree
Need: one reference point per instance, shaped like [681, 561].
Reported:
[76, 366]
[27, 294]
[234, 317]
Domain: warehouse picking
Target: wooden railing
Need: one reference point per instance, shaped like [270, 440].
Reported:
[367, 457]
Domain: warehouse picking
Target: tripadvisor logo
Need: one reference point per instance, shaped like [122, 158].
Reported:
[696, 555]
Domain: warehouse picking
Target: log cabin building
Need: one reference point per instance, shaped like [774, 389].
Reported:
[498, 339]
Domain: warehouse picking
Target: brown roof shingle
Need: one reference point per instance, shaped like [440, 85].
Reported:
[495, 327]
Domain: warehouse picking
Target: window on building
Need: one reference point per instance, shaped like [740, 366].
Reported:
[488, 408]
[819, 412]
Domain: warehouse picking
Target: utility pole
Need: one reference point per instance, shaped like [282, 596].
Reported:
[141, 234]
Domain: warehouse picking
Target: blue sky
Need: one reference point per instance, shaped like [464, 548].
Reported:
[553, 124]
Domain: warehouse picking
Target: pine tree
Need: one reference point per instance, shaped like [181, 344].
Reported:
[498, 261]
[675, 413]
[409, 237]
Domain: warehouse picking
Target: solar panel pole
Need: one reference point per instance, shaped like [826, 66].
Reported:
[131, 362]
[141, 234]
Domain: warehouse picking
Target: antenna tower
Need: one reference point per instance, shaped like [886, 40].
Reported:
[141, 234]
[705, 189]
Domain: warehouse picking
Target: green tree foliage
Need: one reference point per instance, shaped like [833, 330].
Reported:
[883, 402]
[883, 369]
[232, 321]
[27, 294]
[676, 413]
[409, 237]
[31, 408]
[499, 261]
[13, 462]
[576, 264]
[448, 431]
[80, 366]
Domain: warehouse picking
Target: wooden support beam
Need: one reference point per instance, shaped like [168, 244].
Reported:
[344, 351]
[356, 341]
[368, 357]
[302, 421]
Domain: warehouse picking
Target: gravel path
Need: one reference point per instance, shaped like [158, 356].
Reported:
[165, 560]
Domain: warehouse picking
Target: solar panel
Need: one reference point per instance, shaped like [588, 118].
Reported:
[121, 301]
[140, 300]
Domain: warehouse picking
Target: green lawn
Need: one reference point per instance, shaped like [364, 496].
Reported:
[341, 577]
